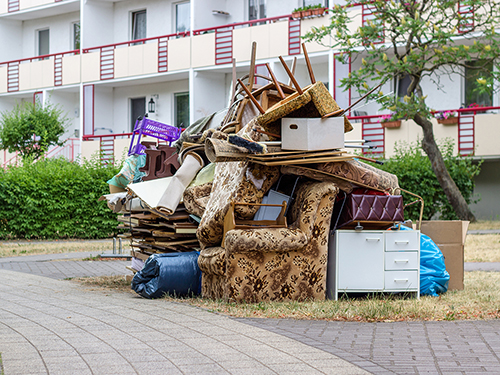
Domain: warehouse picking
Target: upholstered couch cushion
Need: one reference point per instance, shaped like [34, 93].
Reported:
[213, 261]
[264, 240]
[196, 198]
[231, 183]
[361, 174]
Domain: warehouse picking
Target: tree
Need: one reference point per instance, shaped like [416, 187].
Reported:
[31, 129]
[418, 39]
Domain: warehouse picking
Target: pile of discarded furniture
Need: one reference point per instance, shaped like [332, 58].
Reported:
[260, 192]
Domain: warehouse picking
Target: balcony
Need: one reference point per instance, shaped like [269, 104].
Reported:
[168, 53]
[40, 72]
[471, 133]
[201, 48]
[23, 10]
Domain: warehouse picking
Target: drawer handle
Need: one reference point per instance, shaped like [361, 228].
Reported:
[373, 239]
[400, 280]
[402, 242]
[401, 260]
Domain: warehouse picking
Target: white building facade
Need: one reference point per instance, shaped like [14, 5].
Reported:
[104, 61]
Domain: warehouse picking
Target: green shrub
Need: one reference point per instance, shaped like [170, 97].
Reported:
[55, 198]
[415, 174]
[31, 129]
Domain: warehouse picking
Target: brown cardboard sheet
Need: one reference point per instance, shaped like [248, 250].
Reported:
[449, 236]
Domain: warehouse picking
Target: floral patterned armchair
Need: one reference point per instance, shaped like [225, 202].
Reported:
[275, 263]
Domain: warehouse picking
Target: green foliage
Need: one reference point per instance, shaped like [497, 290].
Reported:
[415, 38]
[415, 174]
[31, 129]
[55, 198]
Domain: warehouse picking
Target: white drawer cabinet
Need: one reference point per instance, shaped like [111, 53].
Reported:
[373, 261]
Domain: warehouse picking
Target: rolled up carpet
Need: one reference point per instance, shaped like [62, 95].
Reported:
[185, 174]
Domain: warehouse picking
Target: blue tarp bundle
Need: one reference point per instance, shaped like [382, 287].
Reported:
[173, 273]
[433, 275]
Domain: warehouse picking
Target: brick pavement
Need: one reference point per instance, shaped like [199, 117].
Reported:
[462, 347]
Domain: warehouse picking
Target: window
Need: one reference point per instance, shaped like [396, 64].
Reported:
[76, 35]
[402, 84]
[137, 109]
[477, 78]
[323, 3]
[138, 25]
[38, 98]
[43, 42]
[256, 9]
[181, 109]
[88, 109]
[182, 17]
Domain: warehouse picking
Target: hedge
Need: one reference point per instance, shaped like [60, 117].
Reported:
[415, 174]
[55, 199]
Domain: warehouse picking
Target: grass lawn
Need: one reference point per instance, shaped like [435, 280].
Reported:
[485, 224]
[482, 248]
[10, 248]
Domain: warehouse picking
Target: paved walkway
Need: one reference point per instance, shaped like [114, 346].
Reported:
[484, 231]
[50, 326]
[65, 266]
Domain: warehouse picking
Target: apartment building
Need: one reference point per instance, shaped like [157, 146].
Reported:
[107, 62]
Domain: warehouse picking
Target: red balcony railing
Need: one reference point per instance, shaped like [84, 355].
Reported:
[107, 53]
[69, 150]
[13, 68]
[223, 44]
[14, 5]
[372, 131]
[224, 36]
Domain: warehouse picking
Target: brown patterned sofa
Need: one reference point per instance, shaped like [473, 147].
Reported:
[275, 263]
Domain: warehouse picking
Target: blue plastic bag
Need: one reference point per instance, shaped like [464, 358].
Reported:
[433, 275]
[173, 273]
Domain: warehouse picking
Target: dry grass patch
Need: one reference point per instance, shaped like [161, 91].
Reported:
[485, 224]
[117, 283]
[482, 248]
[10, 249]
[479, 300]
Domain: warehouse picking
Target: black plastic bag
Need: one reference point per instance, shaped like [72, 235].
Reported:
[172, 273]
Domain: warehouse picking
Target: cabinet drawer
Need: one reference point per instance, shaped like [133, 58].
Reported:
[402, 240]
[401, 280]
[401, 260]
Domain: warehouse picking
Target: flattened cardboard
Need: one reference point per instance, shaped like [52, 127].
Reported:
[449, 236]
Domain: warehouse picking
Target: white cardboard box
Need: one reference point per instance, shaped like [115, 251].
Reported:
[310, 134]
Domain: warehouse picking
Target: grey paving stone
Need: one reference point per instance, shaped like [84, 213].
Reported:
[176, 338]
[91, 331]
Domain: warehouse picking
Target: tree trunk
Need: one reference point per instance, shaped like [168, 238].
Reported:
[449, 187]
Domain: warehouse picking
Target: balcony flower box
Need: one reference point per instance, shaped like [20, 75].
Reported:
[391, 124]
[448, 121]
[446, 117]
[318, 11]
[297, 14]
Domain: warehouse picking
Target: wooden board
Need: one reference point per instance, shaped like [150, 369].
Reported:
[304, 161]
[289, 152]
[265, 157]
[173, 243]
